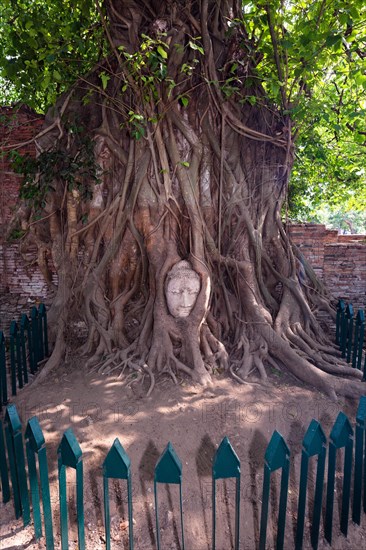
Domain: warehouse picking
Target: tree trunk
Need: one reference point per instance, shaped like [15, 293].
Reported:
[193, 164]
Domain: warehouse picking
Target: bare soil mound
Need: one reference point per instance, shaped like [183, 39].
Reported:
[194, 420]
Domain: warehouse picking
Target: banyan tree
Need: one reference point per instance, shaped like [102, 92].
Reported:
[160, 191]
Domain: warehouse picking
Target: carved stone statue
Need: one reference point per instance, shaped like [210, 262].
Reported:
[182, 287]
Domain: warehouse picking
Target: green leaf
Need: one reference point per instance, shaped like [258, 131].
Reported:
[333, 39]
[287, 44]
[56, 75]
[360, 78]
[195, 46]
[45, 82]
[162, 52]
[105, 78]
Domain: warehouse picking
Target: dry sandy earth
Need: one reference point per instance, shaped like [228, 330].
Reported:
[195, 421]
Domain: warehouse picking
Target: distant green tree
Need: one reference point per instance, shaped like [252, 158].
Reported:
[329, 167]
[348, 221]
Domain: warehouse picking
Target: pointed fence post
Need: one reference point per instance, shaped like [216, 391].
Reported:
[70, 454]
[32, 365]
[4, 468]
[15, 358]
[35, 337]
[117, 465]
[350, 315]
[343, 336]
[25, 335]
[277, 456]
[43, 329]
[360, 462]
[3, 380]
[339, 321]
[341, 436]
[347, 330]
[226, 464]
[14, 443]
[35, 445]
[358, 340]
[168, 470]
[314, 444]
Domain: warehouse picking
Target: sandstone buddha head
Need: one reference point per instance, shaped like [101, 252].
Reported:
[182, 287]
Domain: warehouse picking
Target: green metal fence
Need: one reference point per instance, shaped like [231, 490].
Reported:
[26, 346]
[36, 447]
[117, 465]
[18, 475]
[314, 444]
[350, 335]
[168, 470]
[4, 475]
[70, 455]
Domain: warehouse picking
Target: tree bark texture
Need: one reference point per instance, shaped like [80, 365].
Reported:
[193, 164]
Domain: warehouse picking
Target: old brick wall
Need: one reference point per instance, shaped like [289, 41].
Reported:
[18, 125]
[339, 260]
[21, 282]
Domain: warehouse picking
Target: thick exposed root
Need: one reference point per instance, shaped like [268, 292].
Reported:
[132, 365]
[304, 370]
[54, 361]
[308, 359]
[314, 355]
[214, 352]
[253, 356]
[123, 362]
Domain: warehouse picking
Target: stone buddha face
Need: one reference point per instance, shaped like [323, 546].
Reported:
[182, 287]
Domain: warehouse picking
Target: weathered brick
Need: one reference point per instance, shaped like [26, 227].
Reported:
[339, 260]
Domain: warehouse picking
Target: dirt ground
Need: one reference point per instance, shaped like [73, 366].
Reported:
[194, 420]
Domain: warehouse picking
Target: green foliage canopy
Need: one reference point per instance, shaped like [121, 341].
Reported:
[313, 64]
[310, 58]
[46, 46]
